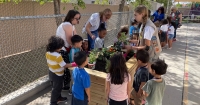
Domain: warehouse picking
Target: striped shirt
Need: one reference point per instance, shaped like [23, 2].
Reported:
[55, 62]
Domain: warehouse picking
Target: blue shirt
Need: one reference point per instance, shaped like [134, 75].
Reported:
[158, 17]
[72, 52]
[131, 29]
[140, 76]
[81, 81]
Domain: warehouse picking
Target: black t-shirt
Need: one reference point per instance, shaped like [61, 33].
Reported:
[141, 75]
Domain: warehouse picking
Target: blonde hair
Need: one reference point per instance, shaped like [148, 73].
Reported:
[143, 10]
[107, 10]
[173, 8]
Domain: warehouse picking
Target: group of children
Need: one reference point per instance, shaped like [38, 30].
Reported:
[166, 32]
[118, 79]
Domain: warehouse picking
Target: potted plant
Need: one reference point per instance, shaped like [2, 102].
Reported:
[92, 59]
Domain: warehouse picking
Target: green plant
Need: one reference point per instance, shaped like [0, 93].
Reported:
[92, 56]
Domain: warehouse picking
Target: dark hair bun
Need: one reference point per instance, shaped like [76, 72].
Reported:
[102, 27]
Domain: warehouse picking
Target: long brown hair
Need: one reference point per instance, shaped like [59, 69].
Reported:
[107, 10]
[118, 69]
[142, 10]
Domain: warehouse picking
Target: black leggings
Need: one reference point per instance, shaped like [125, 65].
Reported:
[67, 75]
[113, 102]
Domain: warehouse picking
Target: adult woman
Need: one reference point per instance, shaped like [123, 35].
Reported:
[66, 29]
[92, 25]
[159, 14]
[176, 18]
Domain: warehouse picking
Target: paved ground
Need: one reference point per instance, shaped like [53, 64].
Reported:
[179, 63]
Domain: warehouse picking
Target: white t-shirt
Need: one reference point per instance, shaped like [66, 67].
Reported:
[164, 28]
[148, 32]
[171, 31]
[61, 33]
[99, 43]
[94, 21]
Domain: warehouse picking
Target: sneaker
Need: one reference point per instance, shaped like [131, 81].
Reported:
[169, 48]
[66, 88]
[62, 99]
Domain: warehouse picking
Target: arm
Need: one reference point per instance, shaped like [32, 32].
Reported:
[180, 16]
[129, 88]
[62, 63]
[68, 32]
[107, 89]
[88, 26]
[87, 90]
[72, 52]
[140, 92]
[145, 94]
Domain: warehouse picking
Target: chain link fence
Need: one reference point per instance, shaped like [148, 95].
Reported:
[22, 49]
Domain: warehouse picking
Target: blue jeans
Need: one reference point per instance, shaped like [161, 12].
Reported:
[92, 41]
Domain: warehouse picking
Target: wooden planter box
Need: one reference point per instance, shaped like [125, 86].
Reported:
[98, 82]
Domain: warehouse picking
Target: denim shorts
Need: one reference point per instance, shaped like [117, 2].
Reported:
[170, 36]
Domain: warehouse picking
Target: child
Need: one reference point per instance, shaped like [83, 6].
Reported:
[154, 88]
[118, 81]
[133, 28]
[56, 68]
[81, 86]
[141, 76]
[76, 45]
[99, 41]
[170, 32]
[163, 32]
[85, 46]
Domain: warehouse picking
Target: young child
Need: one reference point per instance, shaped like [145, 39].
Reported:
[154, 89]
[76, 45]
[56, 68]
[133, 28]
[163, 32]
[140, 77]
[170, 32]
[81, 86]
[85, 46]
[99, 41]
[118, 81]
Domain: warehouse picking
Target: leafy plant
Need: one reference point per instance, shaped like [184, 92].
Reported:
[92, 56]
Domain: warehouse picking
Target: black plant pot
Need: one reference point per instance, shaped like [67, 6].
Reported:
[100, 65]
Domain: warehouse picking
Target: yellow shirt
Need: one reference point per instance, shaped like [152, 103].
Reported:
[55, 62]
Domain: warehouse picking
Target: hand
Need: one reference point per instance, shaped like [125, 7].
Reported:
[89, 100]
[128, 47]
[93, 37]
[139, 94]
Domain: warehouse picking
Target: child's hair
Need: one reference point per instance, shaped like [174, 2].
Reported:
[118, 69]
[124, 29]
[173, 24]
[133, 23]
[165, 21]
[160, 67]
[169, 19]
[80, 57]
[101, 27]
[54, 43]
[76, 39]
[142, 55]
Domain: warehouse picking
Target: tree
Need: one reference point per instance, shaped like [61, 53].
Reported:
[77, 4]
[141, 2]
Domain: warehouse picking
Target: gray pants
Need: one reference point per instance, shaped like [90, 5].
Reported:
[57, 84]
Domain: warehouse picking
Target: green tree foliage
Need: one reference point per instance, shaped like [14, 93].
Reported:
[102, 2]
[142, 2]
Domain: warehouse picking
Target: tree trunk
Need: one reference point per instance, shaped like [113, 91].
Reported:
[57, 11]
[121, 6]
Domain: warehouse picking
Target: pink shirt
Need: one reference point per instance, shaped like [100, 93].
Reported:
[118, 92]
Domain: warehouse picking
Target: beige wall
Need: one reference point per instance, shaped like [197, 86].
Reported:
[17, 36]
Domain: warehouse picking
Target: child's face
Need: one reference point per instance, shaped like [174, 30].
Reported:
[102, 34]
[78, 44]
[85, 45]
[134, 37]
